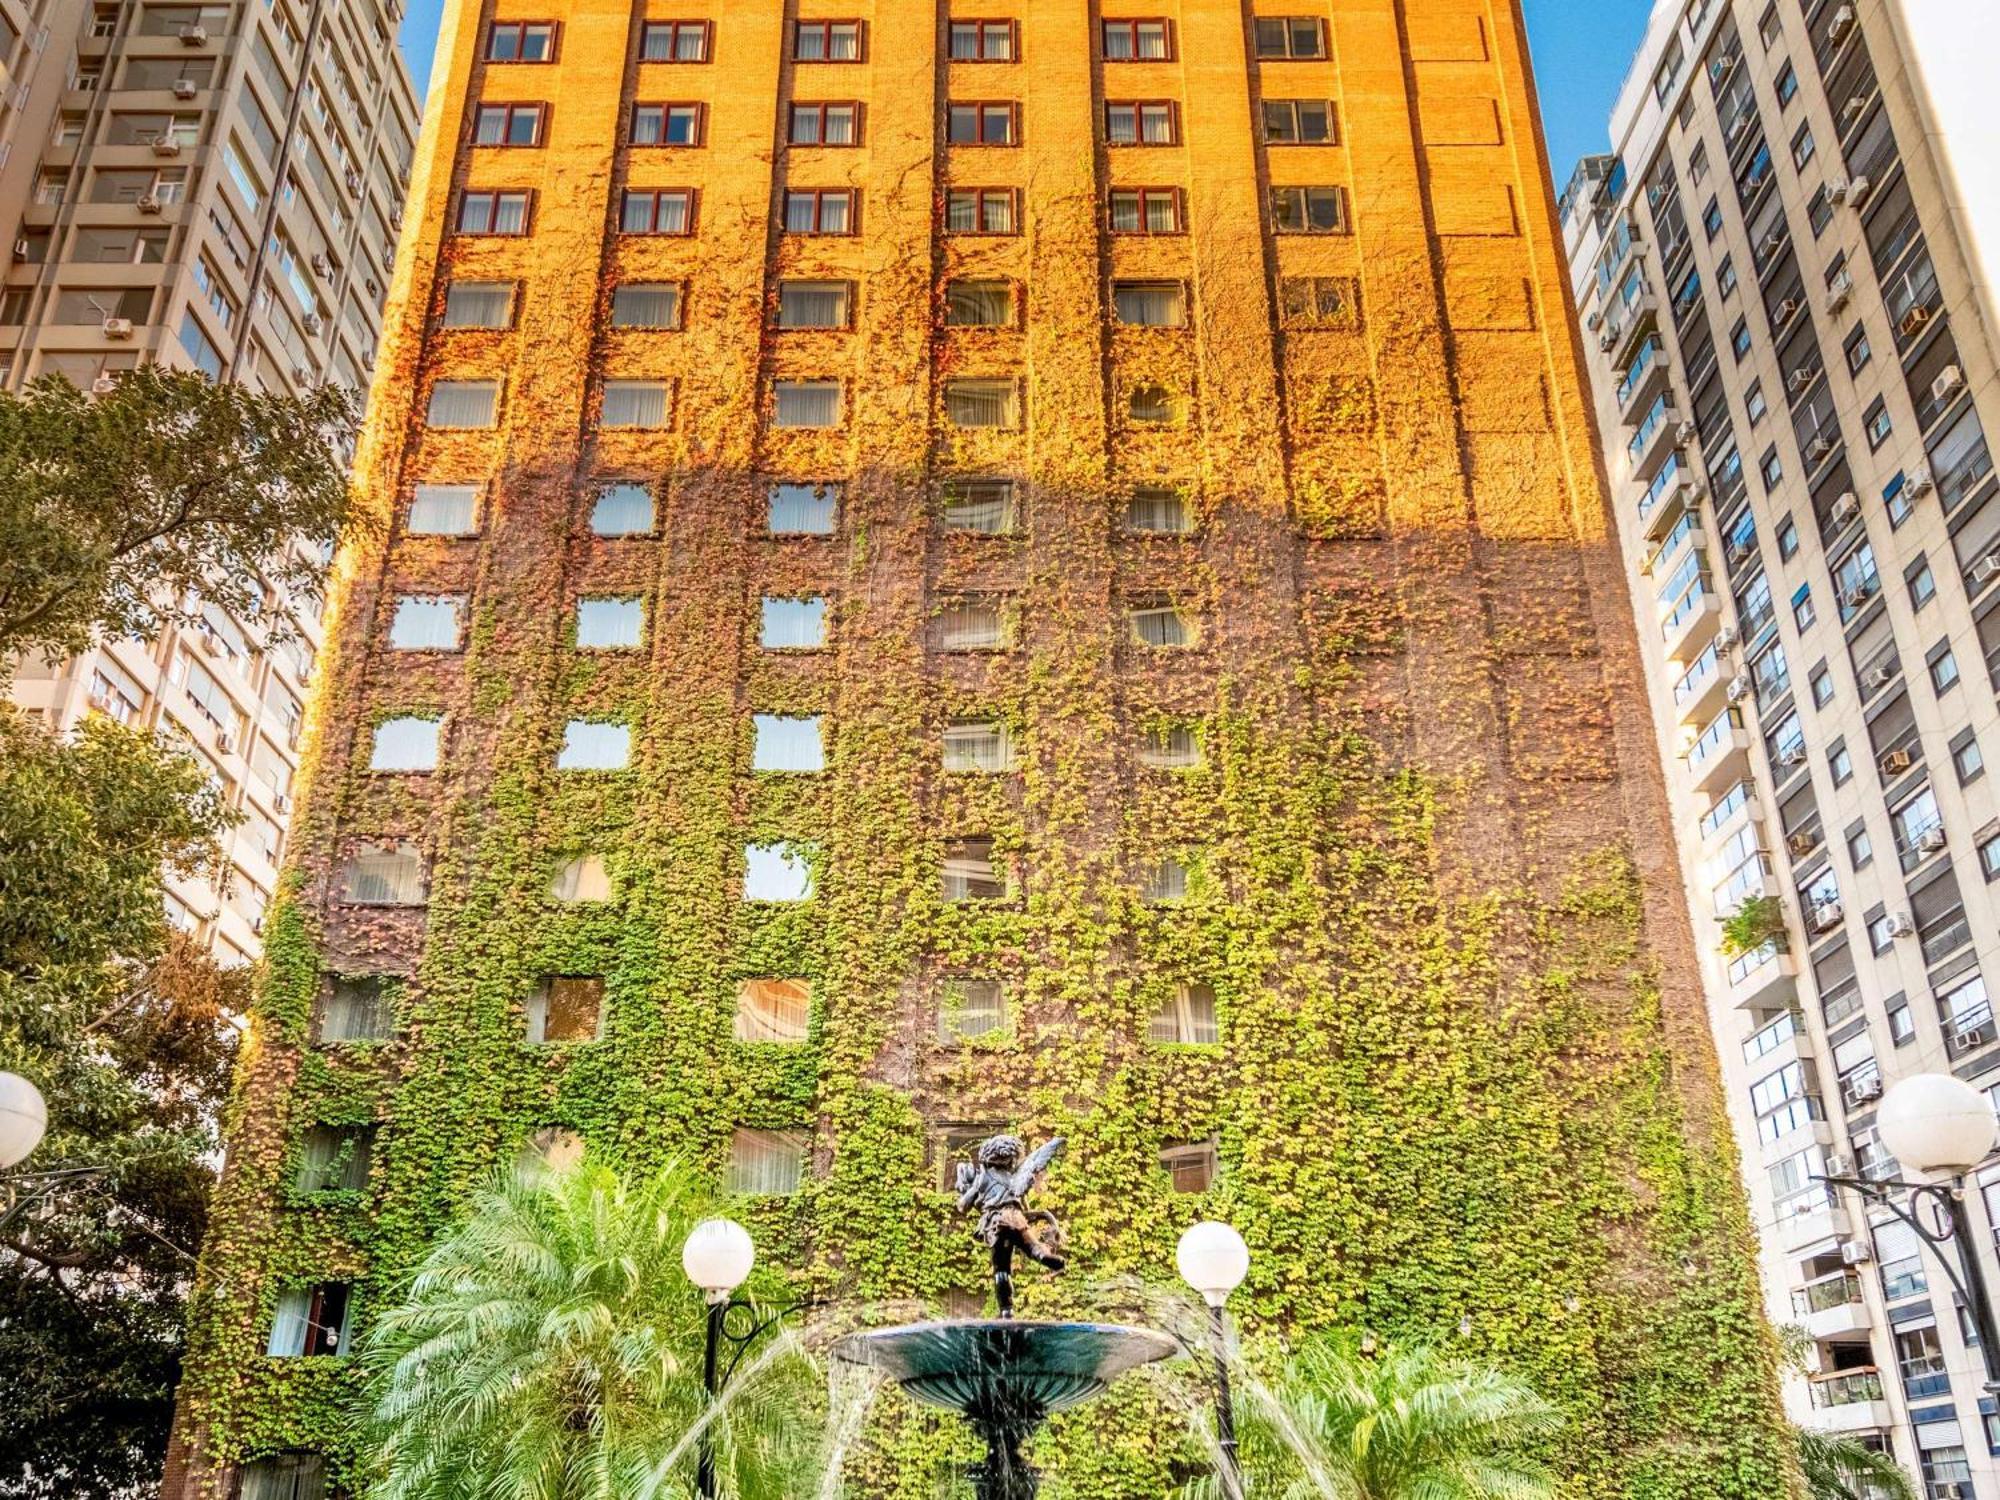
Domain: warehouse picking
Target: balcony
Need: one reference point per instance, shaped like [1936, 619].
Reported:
[1641, 316]
[1850, 1401]
[1810, 1222]
[1644, 377]
[1669, 495]
[1765, 976]
[1721, 753]
[1831, 1306]
[1658, 437]
[1702, 688]
[1692, 622]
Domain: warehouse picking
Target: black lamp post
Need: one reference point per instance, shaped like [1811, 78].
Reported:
[1214, 1260]
[1939, 1126]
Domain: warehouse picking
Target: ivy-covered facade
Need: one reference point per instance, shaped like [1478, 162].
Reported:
[1222, 745]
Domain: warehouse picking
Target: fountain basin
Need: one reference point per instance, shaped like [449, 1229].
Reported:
[1004, 1373]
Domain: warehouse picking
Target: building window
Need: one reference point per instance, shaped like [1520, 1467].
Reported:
[409, 743]
[1787, 84]
[1153, 404]
[1840, 764]
[773, 1010]
[508, 125]
[978, 747]
[820, 211]
[285, 1476]
[1300, 122]
[826, 125]
[1819, 211]
[1966, 758]
[1802, 147]
[815, 304]
[1170, 747]
[777, 872]
[1922, 583]
[622, 510]
[634, 403]
[425, 622]
[983, 41]
[971, 872]
[1309, 210]
[1878, 424]
[972, 623]
[1860, 849]
[801, 509]
[1159, 509]
[383, 875]
[981, 211]
[610, 624]
[1788, 539]
[674, 42]
[1725, 276]
[765, 1163]
[1145, 122]
[595, 745]
[1739, 340]
[358, 1008]
[1138, 41]
[1989, 858]
[334, 1159]
[479, 304]
[646, 304]
[1754, 404]
[1316, 301]
[989, 123]
[521, 41]
[311, 1321]
[979, 304]
[1291, 37]
[980, 504]
[971, 1008]
[1146, 210]
[1186, 1018]
[1190, 1165]
[826, 41]
[667, 124]
[566, 1008]
[1711, 219]
[791, 624]
[504, 214]
[784, 742]
[657, 211]
[1771, 467]
[584, 878]
[463, 403]
[805, 403]
[1149, 304]
[1163, 881]
[1822, 687]
[1943, 668]
[982, 403]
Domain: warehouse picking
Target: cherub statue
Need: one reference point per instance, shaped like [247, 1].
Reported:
[996, 1184]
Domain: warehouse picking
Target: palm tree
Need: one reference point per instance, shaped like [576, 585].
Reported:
[1842, 1468]
[549, 1348]
[1395, 1424]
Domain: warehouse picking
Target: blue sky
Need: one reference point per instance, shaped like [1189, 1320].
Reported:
[1581, 48]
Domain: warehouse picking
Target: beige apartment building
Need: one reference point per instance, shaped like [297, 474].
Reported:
[1788, 328]
[215, 186]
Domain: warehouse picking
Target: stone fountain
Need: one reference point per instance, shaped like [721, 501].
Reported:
[1004, 1375]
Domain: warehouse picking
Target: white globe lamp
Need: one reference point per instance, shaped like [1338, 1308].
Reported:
[1936, 1124]
[717, 1257]
[1213, 1260]
[24, 1118]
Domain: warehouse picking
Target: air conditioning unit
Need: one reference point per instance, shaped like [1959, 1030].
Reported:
[210, 645]
[1800, 378]
[103, 385]
[1607, 341]
[1856, 1252]
[1826, 916]
[166, 145]
[1856, 596]
[1900, 925]
[1838, 291]
[1725, 638]
[1931, 839]
[1865, 1088]
[1818, 449]
[1919, 481]
[1795, 754]
[1837, 1165]
[1771, 245]
[304, 373]
[1915, 321]
[184, 88]
[280, 802]
[1736, 128]
[312, 324]
[321, 264]
[1878, 677]
[1950, 381]
[353, 180]
[1686, 433]
[1841, 24]
[1721, 68]
[118, 328]
[1845, 509]
[1740, 687]
[1787, 310]
[396, 219]
[1985, 569]
[194, 36]
[224, 741]
[1851, 110]
[1593, 320]
[1801, 844]
[22, 249]
[1853, 192]
[148, 203]
[1896, 762]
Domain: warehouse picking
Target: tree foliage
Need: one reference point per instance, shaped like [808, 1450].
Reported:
[116, 507]
[121, 1023]
[550, 1348]
[1843, 1468]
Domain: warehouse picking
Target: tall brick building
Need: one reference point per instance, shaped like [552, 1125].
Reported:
[1012, 562]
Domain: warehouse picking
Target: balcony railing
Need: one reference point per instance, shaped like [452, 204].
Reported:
[1745, 964]
[1847, 1388]
[1649, 351]
[1842, 1289]
[1768, 1040]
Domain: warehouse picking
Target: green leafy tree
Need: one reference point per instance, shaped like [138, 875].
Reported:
[1395, 1424]
[1756, 922]
[550, 1348]
[1843, 1468]
[116, 508]
[121, 1023]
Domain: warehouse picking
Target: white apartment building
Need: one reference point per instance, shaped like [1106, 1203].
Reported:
[215, 186]
[1783, 268]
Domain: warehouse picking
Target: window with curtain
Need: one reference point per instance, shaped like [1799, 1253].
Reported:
[983, 746]
[310, 1321]
[981, 504]
[425, 623]
[582, 879]
[969, 1008]
[815, 304]
[795, 509]
[463, 403]
[805, 403]
[972, 624]
[1187, 1017]
[335, 1159]
[1153, 404]
[479, 304]
[1158, 508]
[1149, 304]
[1170, 747]
[792, 624]
[765, 1163]
[1164, 881]
[1161, 625]
[284, 1476]
[646, 304]
[634, 403]
[383, 875]
[358, 1008]
[444, 510]
[979, 304]
[777, 872]
[595, 745]
[971, 872]
[406, 743]
[566, 1008]
[981, 403]
[773, 1010]
[787, 742]
[622, 510]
